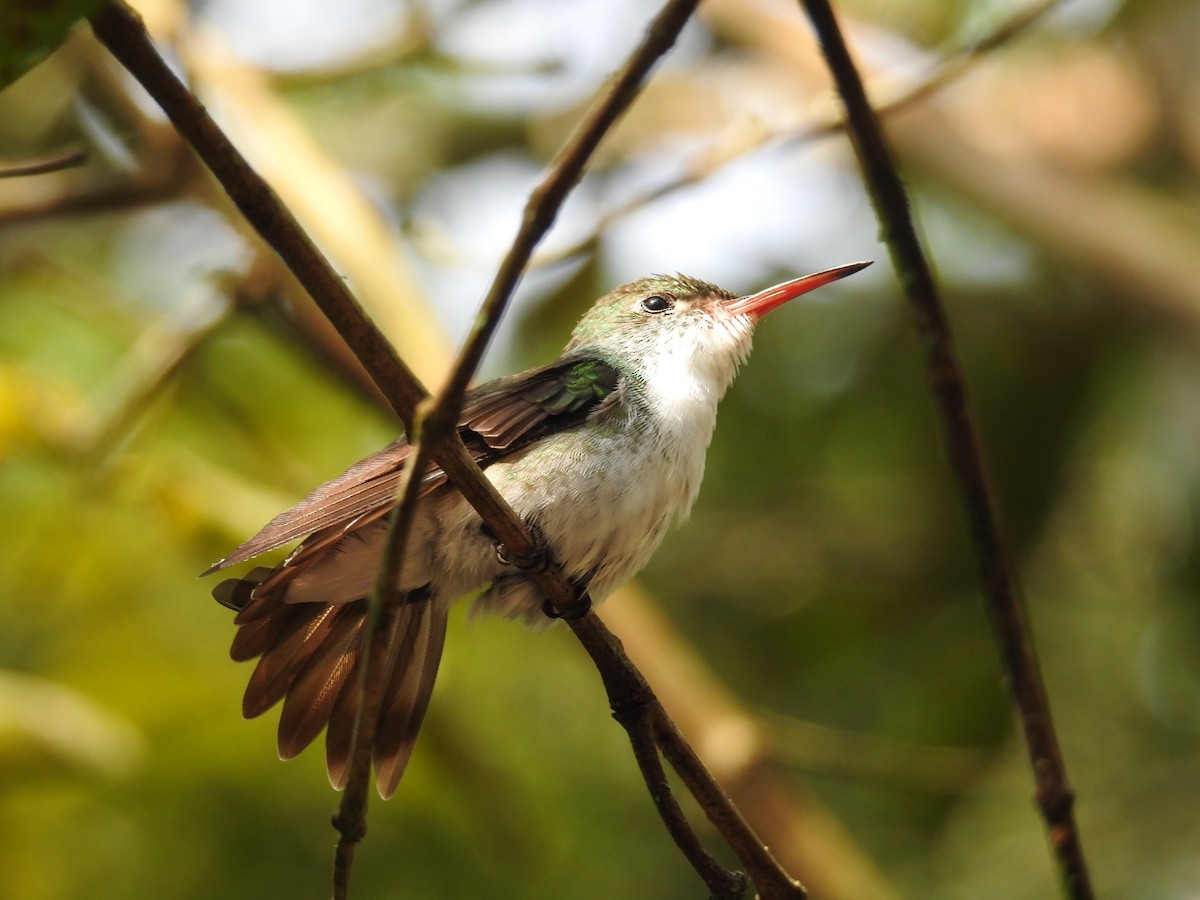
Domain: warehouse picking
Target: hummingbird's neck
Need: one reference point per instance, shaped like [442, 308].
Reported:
[673, 388]
[683, 374]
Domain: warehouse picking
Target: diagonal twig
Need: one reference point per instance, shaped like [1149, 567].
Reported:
[625, 685]
[1054, 796]
[67, 159]
[722, 884]
[122, 31]
[438, 425]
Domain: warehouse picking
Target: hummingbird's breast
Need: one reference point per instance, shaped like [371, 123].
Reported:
[601, 495]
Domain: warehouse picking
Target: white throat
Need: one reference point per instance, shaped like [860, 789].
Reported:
[681, 384]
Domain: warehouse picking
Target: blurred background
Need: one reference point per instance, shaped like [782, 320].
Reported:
[816, 628]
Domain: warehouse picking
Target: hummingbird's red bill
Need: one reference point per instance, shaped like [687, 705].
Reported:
[758, 305]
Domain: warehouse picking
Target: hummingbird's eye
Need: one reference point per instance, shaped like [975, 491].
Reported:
[656, 303]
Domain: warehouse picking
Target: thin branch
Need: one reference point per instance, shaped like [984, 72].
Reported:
[768, 876]
[723, 885]
[319, 190]
[1054, 796]
[624, 683]
[351, 817]
[161, 175]
[796, 824]
[68, 159]
[122, 31]
[438, 429]
[628, 692]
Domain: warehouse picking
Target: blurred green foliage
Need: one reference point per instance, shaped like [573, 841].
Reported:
[31, 29]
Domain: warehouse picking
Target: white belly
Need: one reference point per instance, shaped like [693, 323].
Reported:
[601, 498]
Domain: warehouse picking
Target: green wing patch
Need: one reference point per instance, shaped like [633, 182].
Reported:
[510, 412]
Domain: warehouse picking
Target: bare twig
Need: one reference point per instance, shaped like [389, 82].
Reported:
[629, 693]
[161, 176]
[738, 747]
[769, 877]
[68, 159]
[122, 31]
[351, 817]
[626, 687]
[723, 885]
[788, 817]
[1054, 796]
[321, 193]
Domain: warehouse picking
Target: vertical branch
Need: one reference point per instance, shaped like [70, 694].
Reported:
[1054, 796]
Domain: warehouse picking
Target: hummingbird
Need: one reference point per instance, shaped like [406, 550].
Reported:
[598, 452]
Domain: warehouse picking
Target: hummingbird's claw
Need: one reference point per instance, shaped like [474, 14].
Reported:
[537, 561]
[533, 562]
[576, 609]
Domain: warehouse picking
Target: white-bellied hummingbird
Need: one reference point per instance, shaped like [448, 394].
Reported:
[598, 452]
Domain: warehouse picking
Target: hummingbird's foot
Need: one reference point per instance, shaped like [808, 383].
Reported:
[576, 609]
[537, 561]
[534, 562]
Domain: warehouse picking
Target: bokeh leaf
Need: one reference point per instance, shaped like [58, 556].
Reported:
[30, 30]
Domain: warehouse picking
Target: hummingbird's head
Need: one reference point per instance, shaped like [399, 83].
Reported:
[678, 324]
